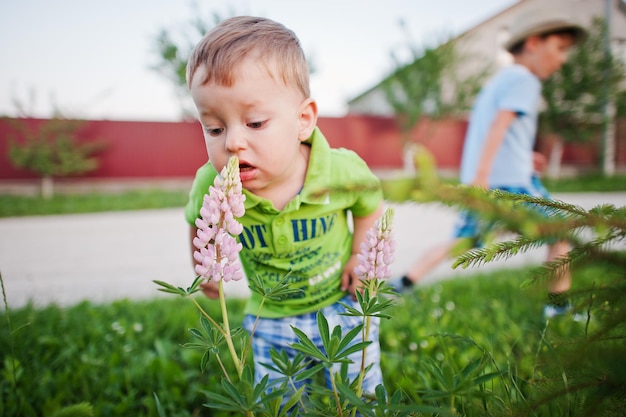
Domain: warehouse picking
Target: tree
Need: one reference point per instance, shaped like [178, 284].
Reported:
[430, 87]
[577, 95]
[51, 150]
[173, 54]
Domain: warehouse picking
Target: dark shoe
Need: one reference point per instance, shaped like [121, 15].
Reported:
[551, 311]
[402, 285]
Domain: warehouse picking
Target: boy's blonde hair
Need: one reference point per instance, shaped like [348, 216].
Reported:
[234, 39]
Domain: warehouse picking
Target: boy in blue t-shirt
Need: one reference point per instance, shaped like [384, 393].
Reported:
[498, 149]
[249, 80]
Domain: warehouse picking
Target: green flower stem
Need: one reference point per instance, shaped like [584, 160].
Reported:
[225, 331]
[334, 385]
[208, 317]
[366, 334]
[227, 335]
[219, 360]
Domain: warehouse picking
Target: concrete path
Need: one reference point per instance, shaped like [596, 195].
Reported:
[107, 256]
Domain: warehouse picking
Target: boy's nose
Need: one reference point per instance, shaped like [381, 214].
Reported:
[235, 141]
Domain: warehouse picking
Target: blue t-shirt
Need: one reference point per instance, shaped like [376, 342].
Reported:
[516, 89]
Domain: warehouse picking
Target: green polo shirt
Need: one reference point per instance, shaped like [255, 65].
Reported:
[310, 240]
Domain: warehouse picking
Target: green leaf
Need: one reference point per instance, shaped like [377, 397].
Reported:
[306, 346]
[292, 401]
[488, 377]
[322, 324]
[78, 410]
[195, 285]
[354, 348]
[159, 407]
[233, 392]
[197, 334]
[471, 367]
[204, 362]
[220, 402]
[281, 290]
[169, 288]
[308, 373]
[349, 394]
[248, 378]
[349, 337]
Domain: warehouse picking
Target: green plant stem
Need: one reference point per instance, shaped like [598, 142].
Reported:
[208, 317]
[335, 393]
[366, 336]
[366, 333]
[229, 339]
[224, 371]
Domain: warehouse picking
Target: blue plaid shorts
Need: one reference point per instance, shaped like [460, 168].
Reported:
[278, 334]
[470, 226]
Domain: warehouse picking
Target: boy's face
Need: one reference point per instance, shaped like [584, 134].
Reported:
[548, 54]
[258, 119]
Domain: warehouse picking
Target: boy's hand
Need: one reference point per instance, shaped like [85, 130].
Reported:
[539, 162]
[481, 180]
[349, 281]
[210, 289]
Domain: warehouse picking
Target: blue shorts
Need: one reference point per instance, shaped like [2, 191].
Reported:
[278, 334]
[470, 226]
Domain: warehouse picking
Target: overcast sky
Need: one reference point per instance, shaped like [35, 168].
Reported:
[92, 58]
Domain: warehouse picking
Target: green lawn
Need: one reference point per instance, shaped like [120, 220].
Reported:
[439, 346]
[13, 205]
[473, 346]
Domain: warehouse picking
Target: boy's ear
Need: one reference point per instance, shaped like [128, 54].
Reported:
[308, 118]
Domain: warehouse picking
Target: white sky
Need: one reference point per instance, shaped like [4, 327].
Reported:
[92, 58]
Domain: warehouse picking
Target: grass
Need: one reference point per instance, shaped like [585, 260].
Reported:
[587, 183]
[478, 345]
[595, 182]
[440, 342]
[13, 205]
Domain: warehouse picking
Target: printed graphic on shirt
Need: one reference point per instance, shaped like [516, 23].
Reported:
[304, 250]
[256, 236]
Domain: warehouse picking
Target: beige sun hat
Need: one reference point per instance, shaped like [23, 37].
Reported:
[540, 21]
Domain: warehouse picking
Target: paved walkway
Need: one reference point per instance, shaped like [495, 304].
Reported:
[108, 256]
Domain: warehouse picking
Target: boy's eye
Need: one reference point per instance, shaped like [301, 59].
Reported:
[214, 131]
[256, 125]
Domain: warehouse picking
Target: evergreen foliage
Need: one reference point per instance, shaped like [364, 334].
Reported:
[576, 95]
[424, 87]
[582, 375]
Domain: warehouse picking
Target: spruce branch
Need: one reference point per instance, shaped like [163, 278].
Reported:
[497, 251]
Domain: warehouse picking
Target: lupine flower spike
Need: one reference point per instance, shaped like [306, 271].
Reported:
[374, 265]
[218, 250]
[377, 251]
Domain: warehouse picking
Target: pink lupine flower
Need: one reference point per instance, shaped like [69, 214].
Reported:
[218, 250]
[377, 250]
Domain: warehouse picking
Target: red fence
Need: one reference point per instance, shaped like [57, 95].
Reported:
[132, 149]
[176, 149]
[139, 150]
